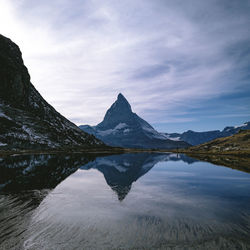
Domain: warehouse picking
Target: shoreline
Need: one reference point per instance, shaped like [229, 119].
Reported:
[223, 153]
[234, 160]
[116, 150]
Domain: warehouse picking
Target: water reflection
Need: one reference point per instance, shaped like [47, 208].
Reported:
[165, 201]
[25, 181]
[28, 172]
[120, 171]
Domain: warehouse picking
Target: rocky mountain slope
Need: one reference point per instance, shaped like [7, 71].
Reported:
[121, 127]
[27, 121]
[196, 138]
[234, 144]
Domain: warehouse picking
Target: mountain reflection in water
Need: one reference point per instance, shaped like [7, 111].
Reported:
[165, 201]
[120, 171]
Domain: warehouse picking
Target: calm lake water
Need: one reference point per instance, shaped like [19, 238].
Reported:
[129, 201]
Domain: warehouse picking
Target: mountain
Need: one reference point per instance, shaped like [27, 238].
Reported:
[121, 127]
[235, 144]
[121, 171]
[46, 171]
[27, 121]
[196, 138]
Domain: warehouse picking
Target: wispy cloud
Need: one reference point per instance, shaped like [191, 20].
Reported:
[167, 56]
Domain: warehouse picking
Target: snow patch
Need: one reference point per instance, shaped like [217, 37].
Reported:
[127, 164]
[240, 126]
[120, 126]
[27, 130]
[4, 116]
[112, 131]
[105, 132]
[173, 138]
[152, 133]
[120, 168]
[3, 144]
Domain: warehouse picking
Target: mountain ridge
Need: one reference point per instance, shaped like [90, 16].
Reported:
[124, 128]
[26, 119]
[195, 138]
[238, 144]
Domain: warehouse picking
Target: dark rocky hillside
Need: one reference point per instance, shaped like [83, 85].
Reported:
[27, 121]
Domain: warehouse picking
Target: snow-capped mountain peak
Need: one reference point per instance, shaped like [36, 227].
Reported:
[122, 127]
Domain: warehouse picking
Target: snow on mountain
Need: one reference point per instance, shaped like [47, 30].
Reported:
[114, 130]
[242, 125]
[27, 121]
[196, 138]
[122, 127]
[121, 171]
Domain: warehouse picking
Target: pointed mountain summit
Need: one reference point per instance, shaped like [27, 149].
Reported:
[122, 103]
[121, 127]
[120, 111]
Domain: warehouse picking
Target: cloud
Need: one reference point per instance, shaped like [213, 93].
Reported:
[166, 56]
[151, 71]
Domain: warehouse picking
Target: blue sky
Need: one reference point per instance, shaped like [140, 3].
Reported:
[181, 64]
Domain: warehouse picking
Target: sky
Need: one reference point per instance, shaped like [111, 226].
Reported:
[181, 64]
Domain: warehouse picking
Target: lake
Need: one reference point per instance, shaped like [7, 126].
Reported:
[128, 201]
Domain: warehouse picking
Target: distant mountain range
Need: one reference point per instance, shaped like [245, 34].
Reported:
[27, 121]
[196, 138]
[121, 127]
[235, 144]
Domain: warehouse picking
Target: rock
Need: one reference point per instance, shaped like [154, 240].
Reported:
[121, 127]
[27, 121]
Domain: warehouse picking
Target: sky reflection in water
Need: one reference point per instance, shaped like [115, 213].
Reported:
[135, 201]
